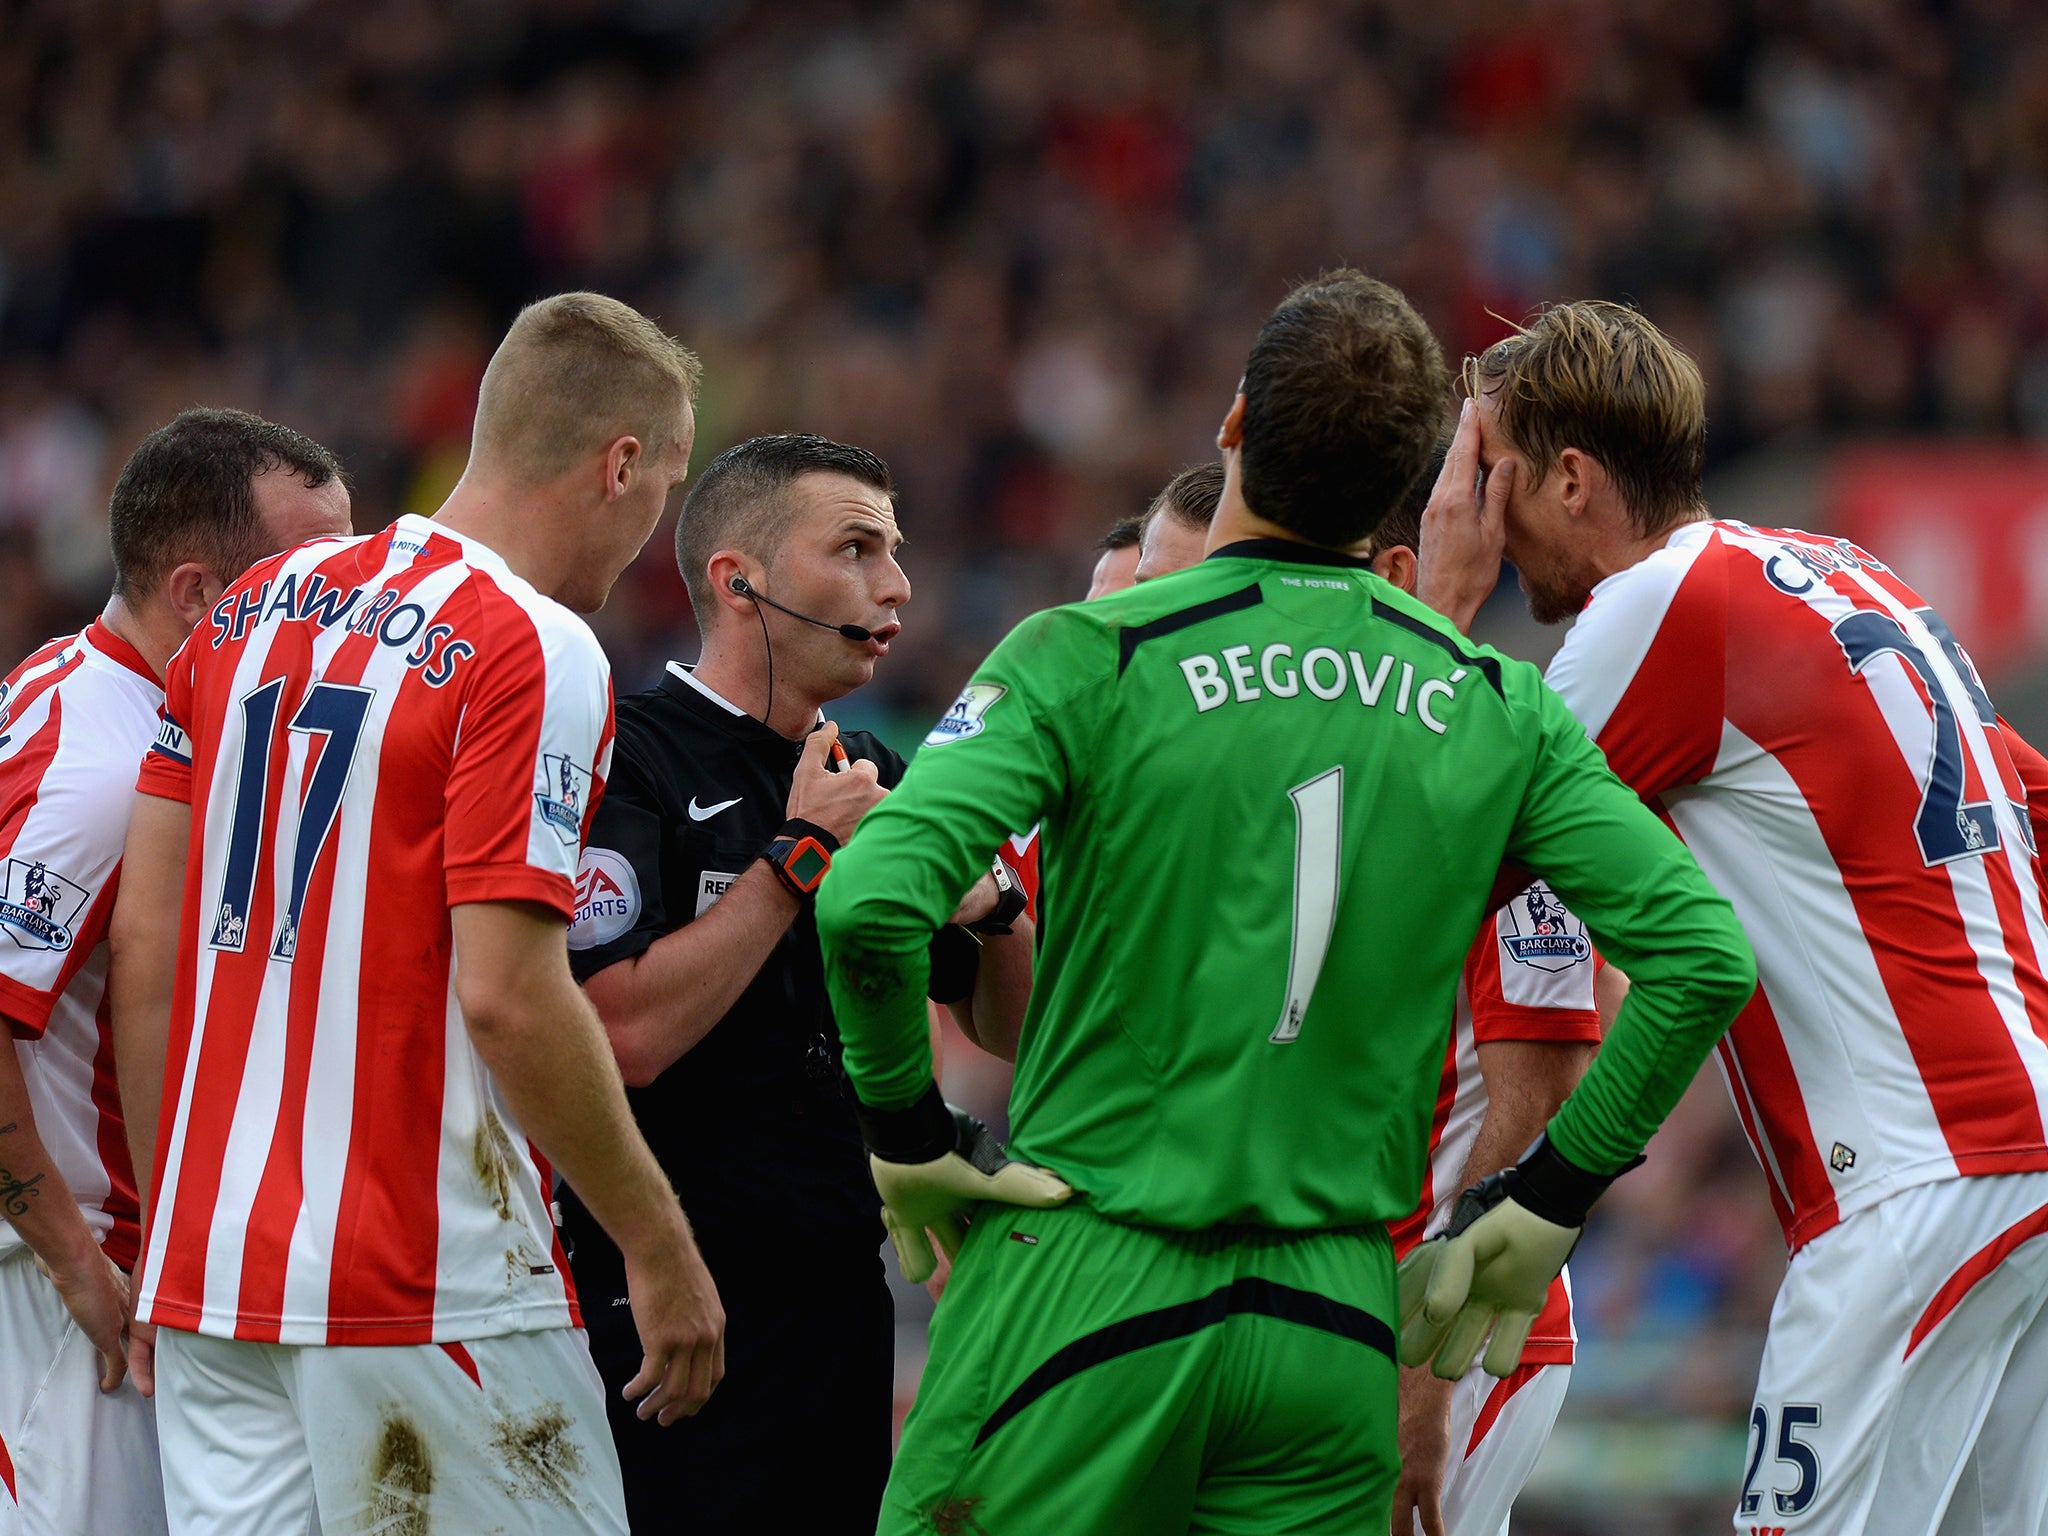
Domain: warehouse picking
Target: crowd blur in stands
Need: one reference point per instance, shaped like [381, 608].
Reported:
[1018, 249]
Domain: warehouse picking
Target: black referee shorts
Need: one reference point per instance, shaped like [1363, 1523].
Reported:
[797, 1436]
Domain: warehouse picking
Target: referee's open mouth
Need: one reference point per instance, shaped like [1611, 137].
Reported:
[877, 644]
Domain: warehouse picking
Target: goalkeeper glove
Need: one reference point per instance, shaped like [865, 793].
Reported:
[932, 1164]
[1490, 1271]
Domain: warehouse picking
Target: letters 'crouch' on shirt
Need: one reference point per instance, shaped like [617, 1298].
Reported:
[1815, 733]
[369, 731]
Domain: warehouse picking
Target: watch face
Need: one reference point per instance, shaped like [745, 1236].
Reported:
[807, 863]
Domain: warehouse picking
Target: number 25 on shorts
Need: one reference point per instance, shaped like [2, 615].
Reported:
[1792, 1452]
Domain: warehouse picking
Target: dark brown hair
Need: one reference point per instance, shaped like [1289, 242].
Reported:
[1344, 397]
[188, 493]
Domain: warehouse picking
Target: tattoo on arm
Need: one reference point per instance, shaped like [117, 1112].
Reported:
[15, 1193]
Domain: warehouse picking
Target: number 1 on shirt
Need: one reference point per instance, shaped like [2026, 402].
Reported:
[1318, 852]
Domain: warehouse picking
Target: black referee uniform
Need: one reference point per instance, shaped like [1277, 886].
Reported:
[755, 1129]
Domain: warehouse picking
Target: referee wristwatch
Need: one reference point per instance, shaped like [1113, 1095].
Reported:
[1010, 903]
[800, 855]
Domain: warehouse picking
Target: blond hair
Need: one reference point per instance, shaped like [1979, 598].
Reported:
[574, 373]
[1601, 378]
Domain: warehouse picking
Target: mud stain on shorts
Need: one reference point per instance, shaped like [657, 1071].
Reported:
[955, 1517]
[491, 1151]
[541, 1459]
[401, 1480]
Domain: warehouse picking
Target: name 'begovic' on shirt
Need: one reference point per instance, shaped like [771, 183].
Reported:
[753, 1123]
[1275, 792]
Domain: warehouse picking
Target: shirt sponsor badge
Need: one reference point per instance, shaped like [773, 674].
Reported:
[38, 905]
[968, 714]
[607, 898]
[565, 792]
[712, 884]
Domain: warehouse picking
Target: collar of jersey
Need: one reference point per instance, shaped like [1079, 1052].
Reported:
[474, 550]
[1288, 551]
[679, 684]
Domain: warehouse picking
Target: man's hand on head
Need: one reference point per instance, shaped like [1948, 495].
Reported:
[1464, 528]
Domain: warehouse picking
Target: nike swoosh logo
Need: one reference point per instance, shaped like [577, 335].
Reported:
[706, 812]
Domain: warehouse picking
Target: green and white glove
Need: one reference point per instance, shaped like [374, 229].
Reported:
[932, 1165]
[1485, 1280]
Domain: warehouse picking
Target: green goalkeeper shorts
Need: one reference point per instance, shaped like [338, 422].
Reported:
[1088, 1378]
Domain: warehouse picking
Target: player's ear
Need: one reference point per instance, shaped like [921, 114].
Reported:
[727, 567]
[190, 590]
[1231, 434]
[1579, 477]
[621, 464]
[1396, 565]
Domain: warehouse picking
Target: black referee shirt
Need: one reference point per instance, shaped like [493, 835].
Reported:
[753, 1124]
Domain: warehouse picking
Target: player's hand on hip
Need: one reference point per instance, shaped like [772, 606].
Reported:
[1486, 1279]
[833, 799]
[932, 1165]
[682, 1329]
[1425, 1439]
[1464, 530]
[95, 1293]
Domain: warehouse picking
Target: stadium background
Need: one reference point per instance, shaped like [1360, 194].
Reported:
[1020, 250]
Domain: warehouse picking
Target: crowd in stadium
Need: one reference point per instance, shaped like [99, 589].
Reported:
[1016, 251]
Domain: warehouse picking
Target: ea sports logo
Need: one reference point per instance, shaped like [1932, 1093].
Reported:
[607, 898]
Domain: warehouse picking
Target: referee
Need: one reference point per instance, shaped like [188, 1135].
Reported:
[693, 936]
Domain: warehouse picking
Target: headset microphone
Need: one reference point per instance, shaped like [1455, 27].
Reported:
[853, 632]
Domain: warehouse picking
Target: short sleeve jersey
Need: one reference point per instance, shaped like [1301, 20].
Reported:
[75, 718]
[1813, 730]
[753, 1124]
[369, 731]
[1528, 976]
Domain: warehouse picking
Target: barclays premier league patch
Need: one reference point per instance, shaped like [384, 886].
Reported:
[564, 793]
[39, 906]
[1545, 936]
[968, 714]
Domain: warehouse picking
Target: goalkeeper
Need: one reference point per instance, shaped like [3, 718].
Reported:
[1276, 795]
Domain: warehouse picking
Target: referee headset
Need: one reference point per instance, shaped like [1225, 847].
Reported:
[740, 586]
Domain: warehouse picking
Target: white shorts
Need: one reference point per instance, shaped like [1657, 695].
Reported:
[1498, 1429]
[81, 1462]
[503, 1434]
[1905, 1378]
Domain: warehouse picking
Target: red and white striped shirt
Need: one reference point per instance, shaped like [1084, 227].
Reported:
[369, 731]
[74, 720]
[1528, 976]
[1813, 731]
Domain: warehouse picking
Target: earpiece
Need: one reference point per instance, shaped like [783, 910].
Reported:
[740, 585]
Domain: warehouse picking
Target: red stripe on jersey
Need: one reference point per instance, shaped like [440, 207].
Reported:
[1758, 1046]
[280, 1193]
[1745, 1112]
[224, 1050]
[557, 1254]
[1865, 804]
[123, 1204]
[1497, 1401]
[7, 1471]
[1407, 1232]
[1649, 742]
[1974, 1269]
[466, 1361]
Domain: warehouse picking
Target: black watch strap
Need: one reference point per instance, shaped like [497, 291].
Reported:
[1010, 903]
[800, 854]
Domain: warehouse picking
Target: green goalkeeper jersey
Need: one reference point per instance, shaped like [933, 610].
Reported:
[1276, 794]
